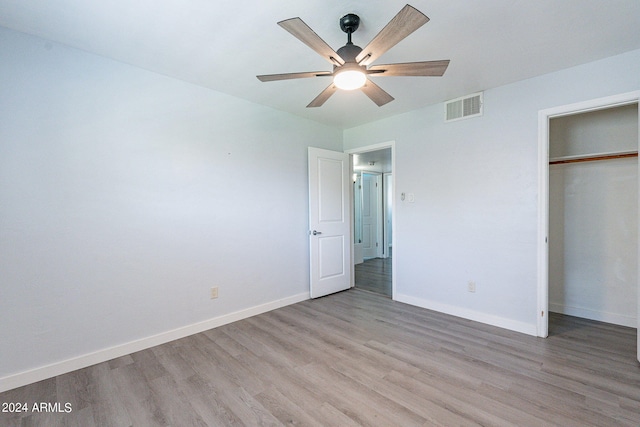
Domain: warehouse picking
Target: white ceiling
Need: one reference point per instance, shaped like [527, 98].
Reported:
[224, 45]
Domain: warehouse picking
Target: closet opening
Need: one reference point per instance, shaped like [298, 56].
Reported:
[593, 219]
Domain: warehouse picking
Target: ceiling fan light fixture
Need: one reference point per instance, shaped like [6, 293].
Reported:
[350, 78]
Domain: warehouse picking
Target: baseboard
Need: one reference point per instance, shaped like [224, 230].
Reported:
[600, 316]
[476, 316]
[85, 360]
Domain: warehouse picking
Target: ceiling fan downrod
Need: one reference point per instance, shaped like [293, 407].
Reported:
[349, 23]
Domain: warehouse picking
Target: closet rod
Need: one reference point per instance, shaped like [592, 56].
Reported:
[592, 158]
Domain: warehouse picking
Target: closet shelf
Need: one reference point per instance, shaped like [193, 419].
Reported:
[592, 157]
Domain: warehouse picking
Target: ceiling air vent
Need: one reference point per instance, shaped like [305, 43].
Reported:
[463, 107]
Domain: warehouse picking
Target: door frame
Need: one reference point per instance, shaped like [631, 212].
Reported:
[544, 116]
[385, 203]
[365, 149]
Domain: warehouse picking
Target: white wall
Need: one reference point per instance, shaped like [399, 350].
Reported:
[475, 183]
[125, 195]
[593, 217]
[607, 130]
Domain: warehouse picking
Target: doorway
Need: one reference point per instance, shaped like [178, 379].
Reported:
[593, 215]
[373, 208]
[546, 271]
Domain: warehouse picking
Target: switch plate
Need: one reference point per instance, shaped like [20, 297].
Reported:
[471, 286]
[214, 292]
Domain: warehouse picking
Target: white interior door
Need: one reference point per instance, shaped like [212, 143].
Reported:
[329, 222]
[370, 201]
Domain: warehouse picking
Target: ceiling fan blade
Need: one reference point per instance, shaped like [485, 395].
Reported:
[404, 23]
[324, 95]
[424, 68]
[376, 94]
[306, 35]
[289, 76]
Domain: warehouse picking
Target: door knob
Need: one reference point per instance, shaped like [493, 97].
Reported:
[315, 233]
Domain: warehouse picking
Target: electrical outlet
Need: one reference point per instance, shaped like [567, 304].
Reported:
[471, 286]
[214, 292]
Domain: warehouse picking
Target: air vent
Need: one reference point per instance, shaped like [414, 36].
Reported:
[463, 107]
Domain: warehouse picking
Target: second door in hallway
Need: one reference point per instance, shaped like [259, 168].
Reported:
[371, 215]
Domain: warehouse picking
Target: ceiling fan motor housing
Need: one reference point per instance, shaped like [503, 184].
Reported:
[349, 52]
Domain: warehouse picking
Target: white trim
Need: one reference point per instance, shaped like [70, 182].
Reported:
[542, 311]
[85, 360]
[352, 237]
[373, 147]
[376, 147]
[385, 237]
[543, 193]
[476, 316]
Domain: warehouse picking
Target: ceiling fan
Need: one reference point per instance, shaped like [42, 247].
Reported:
[351, 64]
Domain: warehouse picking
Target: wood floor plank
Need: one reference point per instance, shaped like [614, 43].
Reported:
[170, 358]
[356, 358]
[137, 396]
[418, 404]
[359, 397]
[173, 403]
[73, 388]
[203, 397]
[120, 361]
[331, 343]
[374, 275]
[287, 412]
[229, 367]
[105, 400]
[147, 362]
[300, 391]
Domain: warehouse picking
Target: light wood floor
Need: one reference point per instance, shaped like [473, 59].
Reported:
[357, 358]
[374, 275]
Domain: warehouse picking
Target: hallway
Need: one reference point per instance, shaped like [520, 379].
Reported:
[374, 275]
